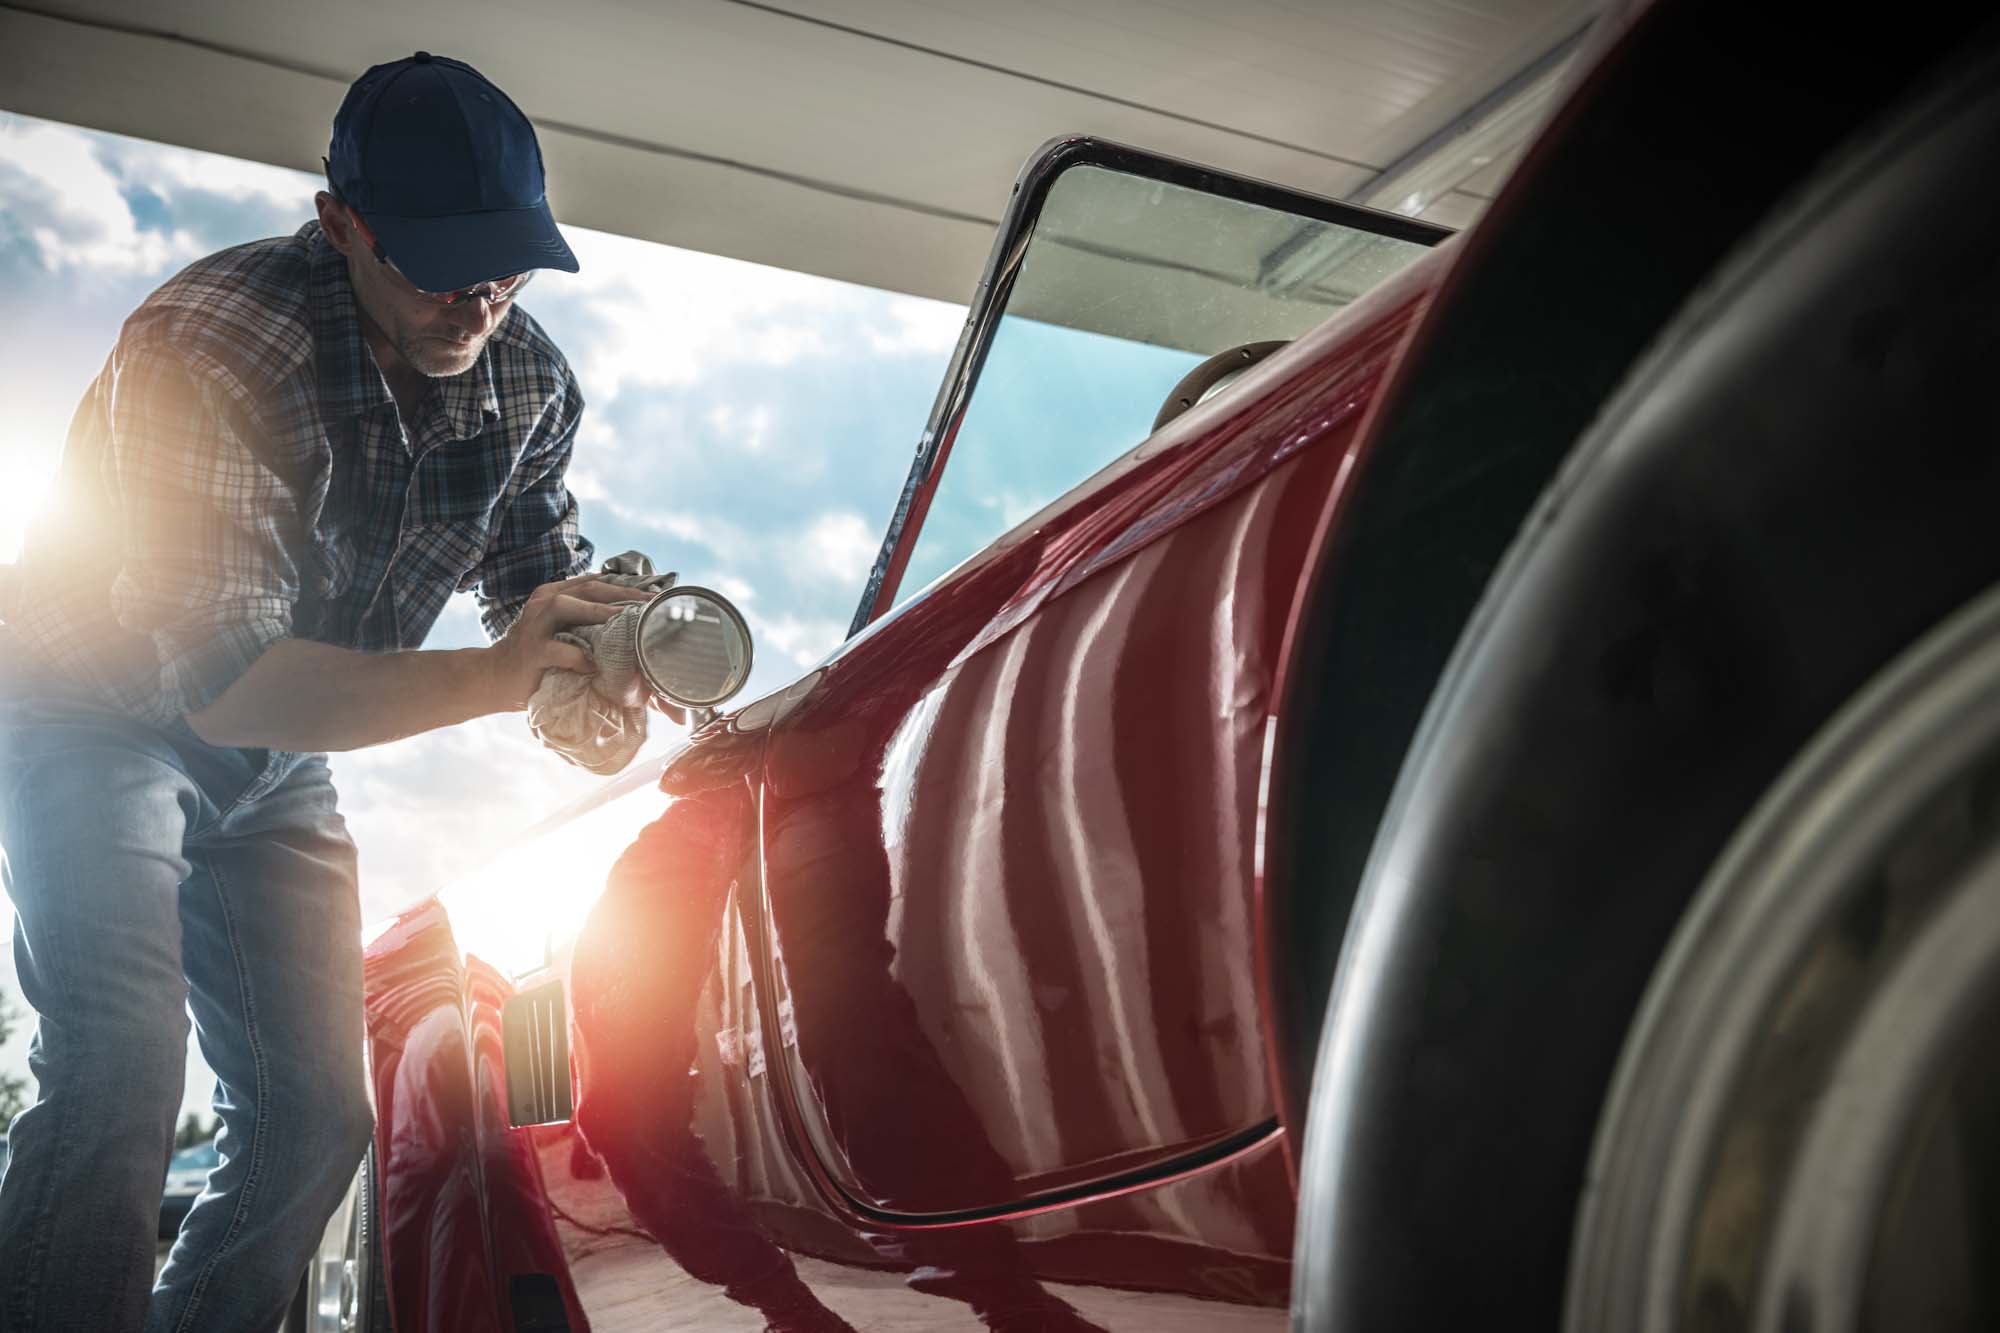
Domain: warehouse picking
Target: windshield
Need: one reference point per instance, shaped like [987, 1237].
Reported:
[1128, 283]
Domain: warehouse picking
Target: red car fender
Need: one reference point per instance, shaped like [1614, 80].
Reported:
[431, 1194]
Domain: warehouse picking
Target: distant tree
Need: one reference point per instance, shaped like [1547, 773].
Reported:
[193, 1131]
[13, 1088]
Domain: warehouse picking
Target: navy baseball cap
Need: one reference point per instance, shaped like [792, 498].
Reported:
[446, 171]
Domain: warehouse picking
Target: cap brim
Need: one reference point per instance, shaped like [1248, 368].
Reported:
[443, 254]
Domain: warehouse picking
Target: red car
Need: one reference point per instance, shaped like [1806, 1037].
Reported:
[1371, 786]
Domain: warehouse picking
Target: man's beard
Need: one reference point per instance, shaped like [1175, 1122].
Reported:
[437, 358]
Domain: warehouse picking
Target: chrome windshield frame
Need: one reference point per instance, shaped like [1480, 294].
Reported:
[1003, 266]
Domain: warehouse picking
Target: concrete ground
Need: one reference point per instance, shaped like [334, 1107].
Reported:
[635, 1293]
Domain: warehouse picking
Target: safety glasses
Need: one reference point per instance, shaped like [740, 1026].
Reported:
[496, 292]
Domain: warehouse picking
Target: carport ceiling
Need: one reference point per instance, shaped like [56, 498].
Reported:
[869, 140]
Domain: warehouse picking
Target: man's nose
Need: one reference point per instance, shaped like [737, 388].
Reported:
[474, 315]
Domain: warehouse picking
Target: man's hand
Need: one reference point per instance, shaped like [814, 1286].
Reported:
[312, 696]
[529, 647]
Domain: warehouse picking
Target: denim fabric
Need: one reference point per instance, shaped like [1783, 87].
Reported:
[153, 876]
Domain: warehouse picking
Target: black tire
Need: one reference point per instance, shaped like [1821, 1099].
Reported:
[377, 1302]
[1692, 122]
[1799, 483]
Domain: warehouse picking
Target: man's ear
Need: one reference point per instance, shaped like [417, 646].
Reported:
[333, 223]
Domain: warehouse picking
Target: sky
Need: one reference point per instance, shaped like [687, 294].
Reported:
[746, 426]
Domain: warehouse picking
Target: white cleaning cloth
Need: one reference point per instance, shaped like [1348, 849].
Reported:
[599, 722]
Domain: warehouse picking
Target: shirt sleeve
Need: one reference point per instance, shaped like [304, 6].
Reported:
[205, 570]
[535, 540]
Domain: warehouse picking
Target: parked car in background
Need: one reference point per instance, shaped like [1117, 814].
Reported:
[1374, 784]
[187, 1174]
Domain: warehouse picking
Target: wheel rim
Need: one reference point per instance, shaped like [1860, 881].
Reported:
[350, 1302]
[1794, 1137]
[336, 1281]
[355, 1276]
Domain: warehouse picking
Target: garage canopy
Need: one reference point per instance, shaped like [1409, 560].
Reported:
[868, 140]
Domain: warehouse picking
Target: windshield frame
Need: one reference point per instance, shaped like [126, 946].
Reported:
[996, 283]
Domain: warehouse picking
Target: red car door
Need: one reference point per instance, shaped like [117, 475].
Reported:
[1009, 832]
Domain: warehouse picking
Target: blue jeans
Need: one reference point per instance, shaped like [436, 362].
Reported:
[153, 875]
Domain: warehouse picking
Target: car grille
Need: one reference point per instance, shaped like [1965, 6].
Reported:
[534, 1032]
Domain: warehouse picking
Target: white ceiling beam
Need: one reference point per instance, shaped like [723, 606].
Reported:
[867, 140]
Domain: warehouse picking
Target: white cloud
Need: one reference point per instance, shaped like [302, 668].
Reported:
[804, 640]
[918, 328]
[836, 548]
[1016, 508]
[667, 317]
[171, 171]
[68, 201]
[65, 188]
[748, 428]
[728, 541]
[583, 483]
[458, 626]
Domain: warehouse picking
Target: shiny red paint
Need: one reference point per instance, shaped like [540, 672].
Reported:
[510, 1168]
[1413, 291]
[433, 1210]
[1008, 838]
[930, 997]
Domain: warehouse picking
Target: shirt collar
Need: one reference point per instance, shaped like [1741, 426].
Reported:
[469, 400]
[350, 383]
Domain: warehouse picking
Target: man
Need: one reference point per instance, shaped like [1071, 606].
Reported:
[297, 451]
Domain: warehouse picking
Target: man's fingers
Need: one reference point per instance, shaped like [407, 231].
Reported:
[570, 610]
[588, 576]
[596, 590]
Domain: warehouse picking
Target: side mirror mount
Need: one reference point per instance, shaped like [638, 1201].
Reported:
[694, 649]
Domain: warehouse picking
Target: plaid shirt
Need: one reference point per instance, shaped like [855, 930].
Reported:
[239, 474]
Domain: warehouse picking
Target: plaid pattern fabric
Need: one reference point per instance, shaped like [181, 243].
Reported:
[239, 474]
